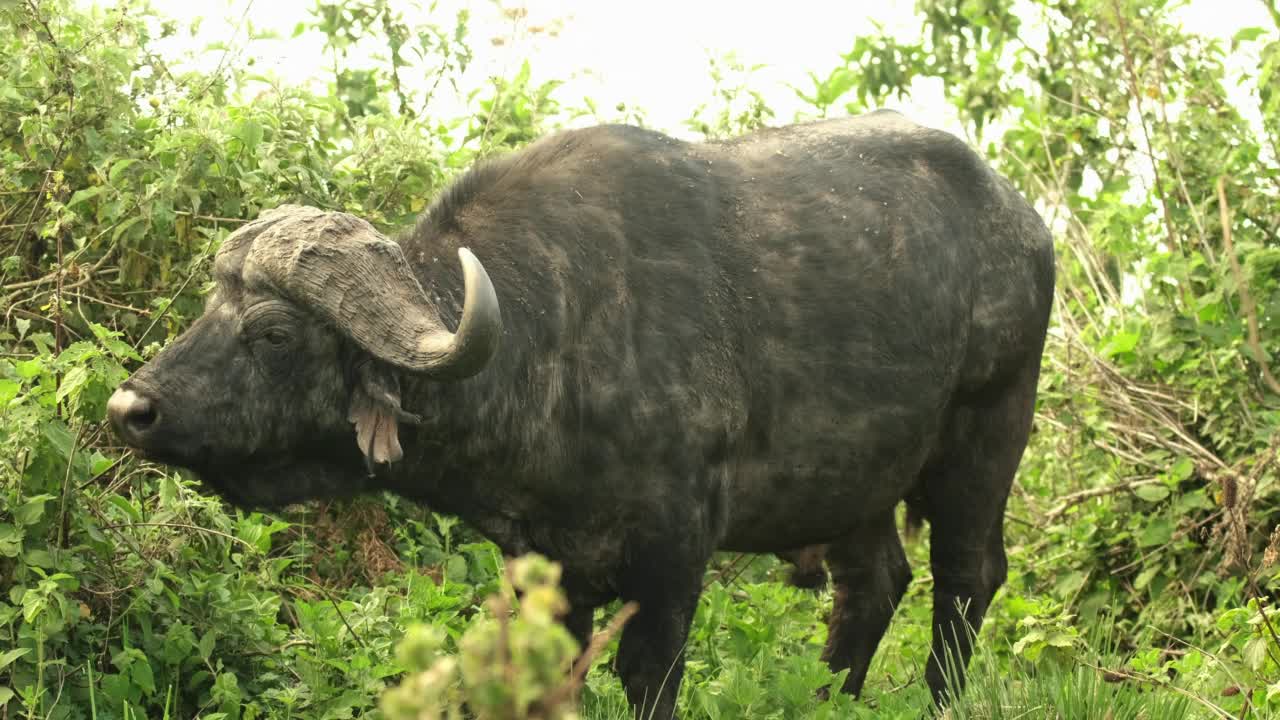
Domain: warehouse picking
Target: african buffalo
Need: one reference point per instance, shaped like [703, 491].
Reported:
[758, 345]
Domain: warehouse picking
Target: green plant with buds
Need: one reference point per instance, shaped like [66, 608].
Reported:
[516, 663]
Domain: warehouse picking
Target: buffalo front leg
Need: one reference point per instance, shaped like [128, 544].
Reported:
[650, 656]
[579, 623]
[583, 599]
[869, 572]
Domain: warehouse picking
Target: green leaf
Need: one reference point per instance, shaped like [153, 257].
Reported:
[140, 671]
[118, 168]
[456, 568]
[5, 695]
[1182, 469]
[124, 227]
[8, 390]
[10, 540]
[1061, 640]
[79, 352]
[1248, 34]
[1121, 343]
[837, 84]
[1152, 493]
[59, 437]
[39, 558]
[43, 341]
[249, 132]
[85, 194]
[100, 464]
[207, 643]
[73, 382]
[126, 507]
[116, 687]
[1255, 652]
[1157, 532]
[29, 513]
[1026, 645]
[122, 349]
[28, 369]
[1144, 577]
[10, 656]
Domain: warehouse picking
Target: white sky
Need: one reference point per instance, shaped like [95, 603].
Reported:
[651, 54]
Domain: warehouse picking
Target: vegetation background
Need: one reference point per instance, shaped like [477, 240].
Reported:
[1142, 531]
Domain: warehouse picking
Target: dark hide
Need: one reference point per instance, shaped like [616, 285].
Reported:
[807, 569]
[758, 345]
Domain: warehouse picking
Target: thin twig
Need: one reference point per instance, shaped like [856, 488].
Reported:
[1072, 499]
[53, 275]
[1136, 93]
[750, 559]
[210, 218]
[588, 656]
[66, 484]
[216, 75]
[1125, 674]
[721, 573]
[182, 526]
[103, 301]
[341, 615]
[1242, 285]
[204, 255]
[1275, 639]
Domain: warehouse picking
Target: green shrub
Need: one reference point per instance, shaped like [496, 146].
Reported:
[1146, 503]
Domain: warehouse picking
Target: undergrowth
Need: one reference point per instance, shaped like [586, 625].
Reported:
[1143, 550]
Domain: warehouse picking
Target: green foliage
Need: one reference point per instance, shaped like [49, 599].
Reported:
[1143, 565]
[755, 654]
[508, 666]
[736, 107]
[877, 68]
[516, 113]
[1151, 482]
[127, 593]
[364, 91]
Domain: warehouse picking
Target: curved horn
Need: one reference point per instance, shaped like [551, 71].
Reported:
[356, 278]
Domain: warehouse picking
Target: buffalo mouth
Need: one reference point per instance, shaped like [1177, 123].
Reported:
[250, 484]
[273, 484]
[234, 494]
[187, 459]
[211, 481]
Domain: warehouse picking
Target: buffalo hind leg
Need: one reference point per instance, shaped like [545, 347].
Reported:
[869, 573]
[966, 576]
[807, 569]
[964, 493]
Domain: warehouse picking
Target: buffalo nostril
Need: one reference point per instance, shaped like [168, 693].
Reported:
[132, 414]
[143, 414]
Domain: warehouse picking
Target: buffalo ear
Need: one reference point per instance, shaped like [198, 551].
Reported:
[376, 413]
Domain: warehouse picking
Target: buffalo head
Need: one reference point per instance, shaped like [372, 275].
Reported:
[286, 388]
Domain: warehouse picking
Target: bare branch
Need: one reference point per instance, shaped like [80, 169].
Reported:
[1242, 285]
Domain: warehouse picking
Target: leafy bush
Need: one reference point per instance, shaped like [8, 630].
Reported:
[1141, 533]
[126, 592]
[508, 667]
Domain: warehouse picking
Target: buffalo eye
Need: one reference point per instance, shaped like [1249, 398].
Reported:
[269, 325]
[275, 337]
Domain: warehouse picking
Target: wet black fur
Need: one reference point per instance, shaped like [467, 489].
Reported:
[757, 345]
